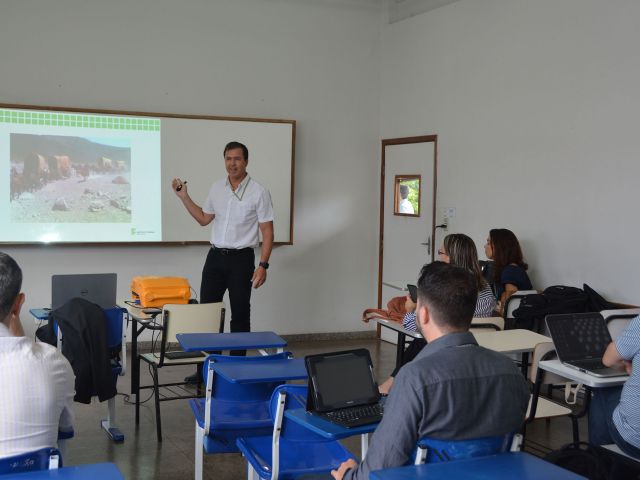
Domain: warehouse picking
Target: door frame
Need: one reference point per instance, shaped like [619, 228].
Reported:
[404, 141]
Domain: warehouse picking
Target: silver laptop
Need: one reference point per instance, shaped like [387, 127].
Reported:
[99, 288]
[580, 340]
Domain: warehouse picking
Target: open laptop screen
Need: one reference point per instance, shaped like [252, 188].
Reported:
[579, 336]
[99, 288]
[342, 379]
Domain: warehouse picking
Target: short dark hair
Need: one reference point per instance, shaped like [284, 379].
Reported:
[10, 283]
[233, 146]
[404, 191]
[450, 293]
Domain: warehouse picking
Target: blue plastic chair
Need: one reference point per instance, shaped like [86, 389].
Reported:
[116, 318]
[430, 450]
[230, 410]
[43, 459]
[291, 450]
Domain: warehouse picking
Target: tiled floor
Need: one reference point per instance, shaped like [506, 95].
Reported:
[142, 457]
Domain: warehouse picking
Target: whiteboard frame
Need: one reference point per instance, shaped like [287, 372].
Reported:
[175, 116]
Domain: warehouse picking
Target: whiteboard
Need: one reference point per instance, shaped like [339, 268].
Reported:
[192, 149]
[129, 158]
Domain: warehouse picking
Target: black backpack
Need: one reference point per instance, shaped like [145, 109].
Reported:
[556, 299]
[583, 459]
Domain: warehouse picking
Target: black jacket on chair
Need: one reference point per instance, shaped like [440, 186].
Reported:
[84, 344]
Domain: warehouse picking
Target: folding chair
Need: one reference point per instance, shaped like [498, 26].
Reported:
[541, 407]
[189, 318]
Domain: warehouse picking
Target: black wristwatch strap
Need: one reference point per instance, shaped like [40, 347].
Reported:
[264, 265]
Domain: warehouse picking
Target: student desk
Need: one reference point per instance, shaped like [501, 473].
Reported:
[586, 379]
[511, 341]
[257, 372]
[196, 342]
[503, 341]
[330, 430]
[493, 467]
[96, 471]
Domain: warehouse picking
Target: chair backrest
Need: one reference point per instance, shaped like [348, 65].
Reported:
[43, 459]
[513, 302]
[247, 392]
[192, 318]
[482, 324]
[544, 351]
[115, 318]
[445, 450]
[295, 396]
[243, 398]
[617, 320]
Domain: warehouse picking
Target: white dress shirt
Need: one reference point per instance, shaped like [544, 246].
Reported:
[37, 385]
[238, 213]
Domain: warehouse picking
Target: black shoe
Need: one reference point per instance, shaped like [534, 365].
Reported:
[192, 379]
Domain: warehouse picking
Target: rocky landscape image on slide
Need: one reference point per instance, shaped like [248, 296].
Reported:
[64, 179]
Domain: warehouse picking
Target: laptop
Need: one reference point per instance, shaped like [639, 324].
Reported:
[342, 388]
[580, 340]
[99, 288]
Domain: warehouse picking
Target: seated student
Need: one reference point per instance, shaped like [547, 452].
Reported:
[457, 249]
[454, 389]
[614, 414]
[37, 381]
[509, 269]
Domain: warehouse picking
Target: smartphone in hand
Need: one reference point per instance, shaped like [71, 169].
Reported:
[413, 293]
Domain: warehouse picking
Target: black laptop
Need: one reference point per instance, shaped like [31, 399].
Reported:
[342, 388]
[99, 288]
[580, 340]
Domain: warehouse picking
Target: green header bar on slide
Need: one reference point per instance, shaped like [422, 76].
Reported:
[59, 119]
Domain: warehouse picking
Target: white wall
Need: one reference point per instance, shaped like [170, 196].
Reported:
[315, 61]
[535, 104]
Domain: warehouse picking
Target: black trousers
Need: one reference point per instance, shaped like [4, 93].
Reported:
[412, 350]
[230, 271]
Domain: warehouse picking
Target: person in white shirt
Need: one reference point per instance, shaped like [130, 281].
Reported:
[239, 208]
[37, 381]
[405, 206]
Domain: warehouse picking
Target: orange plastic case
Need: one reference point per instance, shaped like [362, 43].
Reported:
[158, 291]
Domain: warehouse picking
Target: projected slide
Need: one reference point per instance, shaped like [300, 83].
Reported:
[79, 177]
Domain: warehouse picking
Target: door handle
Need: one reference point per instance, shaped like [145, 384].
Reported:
[428, 245]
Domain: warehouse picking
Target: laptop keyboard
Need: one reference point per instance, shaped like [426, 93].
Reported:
[356, 416]
[181, 354]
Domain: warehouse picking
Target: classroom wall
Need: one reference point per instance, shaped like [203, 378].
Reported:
[315, 61]
[535, 105]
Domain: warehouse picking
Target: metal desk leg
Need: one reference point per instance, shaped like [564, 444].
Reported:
[364, 444]
[400, 349]
[525, 363]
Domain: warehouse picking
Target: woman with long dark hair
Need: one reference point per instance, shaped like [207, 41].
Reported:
[509, 268]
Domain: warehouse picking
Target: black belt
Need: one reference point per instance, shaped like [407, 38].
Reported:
[231, 251]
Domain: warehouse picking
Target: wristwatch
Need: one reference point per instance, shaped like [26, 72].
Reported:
[264, 265]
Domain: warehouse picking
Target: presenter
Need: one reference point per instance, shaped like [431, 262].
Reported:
[238, 206]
